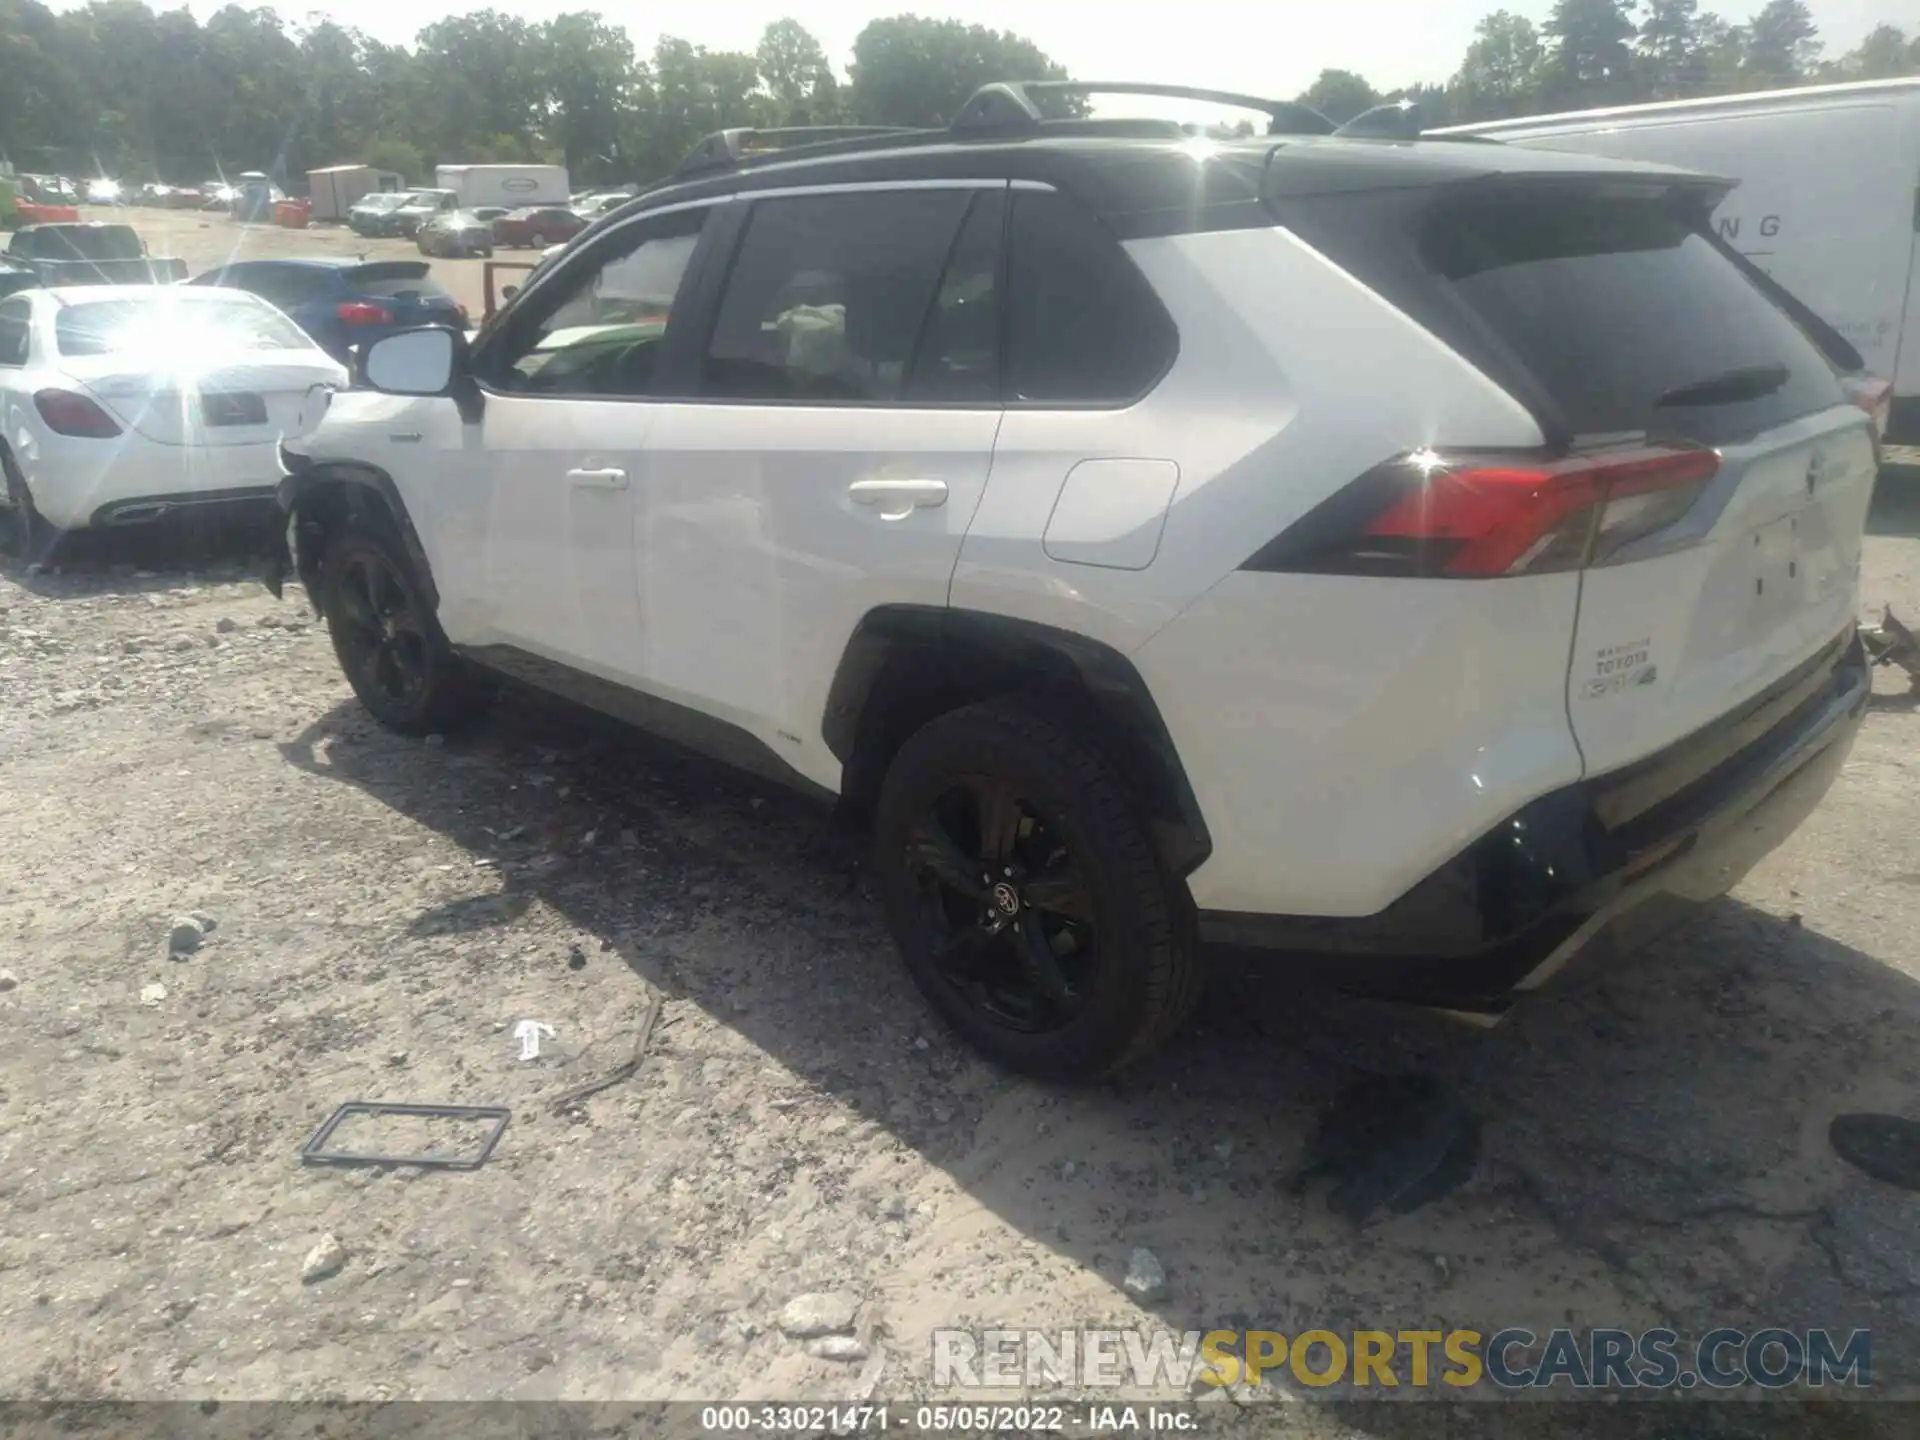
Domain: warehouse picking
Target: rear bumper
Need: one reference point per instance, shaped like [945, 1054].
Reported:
[1601, 864]
[248, 503]
[78, 483]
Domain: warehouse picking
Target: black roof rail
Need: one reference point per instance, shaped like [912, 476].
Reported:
[726, 149]
[1008, 105]
[1395, 120]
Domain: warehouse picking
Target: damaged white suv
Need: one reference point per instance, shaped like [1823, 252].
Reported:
[1405, 561]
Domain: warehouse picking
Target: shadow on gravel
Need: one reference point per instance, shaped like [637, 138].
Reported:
[1896, 503]
[1654, 1146]
[137, 557]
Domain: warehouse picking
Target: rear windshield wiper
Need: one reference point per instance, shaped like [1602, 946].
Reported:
[1748, 382]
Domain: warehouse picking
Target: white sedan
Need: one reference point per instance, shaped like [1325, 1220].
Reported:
[123, 403]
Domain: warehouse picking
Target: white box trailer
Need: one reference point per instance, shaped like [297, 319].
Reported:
[1828, 202]
[334, 190]
[509, 185]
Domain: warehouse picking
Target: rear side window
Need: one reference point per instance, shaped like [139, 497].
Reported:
[957, 358]
[1626, 315]
[828, 294]
[1083, 325]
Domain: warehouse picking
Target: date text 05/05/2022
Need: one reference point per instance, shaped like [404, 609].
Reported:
[965, 1419]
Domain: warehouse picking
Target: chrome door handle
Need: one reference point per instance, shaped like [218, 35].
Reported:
[598, 479]
[897, 499]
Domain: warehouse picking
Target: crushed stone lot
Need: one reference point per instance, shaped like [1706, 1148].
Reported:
[229, 903]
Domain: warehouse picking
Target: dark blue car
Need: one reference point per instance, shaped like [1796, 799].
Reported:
[344, 302]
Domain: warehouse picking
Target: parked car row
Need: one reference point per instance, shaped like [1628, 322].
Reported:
[441, 226]
[460, 232]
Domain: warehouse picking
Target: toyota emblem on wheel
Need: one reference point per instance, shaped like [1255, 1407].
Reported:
[1006, 899]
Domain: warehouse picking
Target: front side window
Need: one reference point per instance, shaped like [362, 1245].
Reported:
[603, 335]
[828, 296]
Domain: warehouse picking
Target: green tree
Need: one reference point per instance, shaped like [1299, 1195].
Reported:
[475, 82]
[1670, 60]
[587, 84]
[1501, 74]
[1723, 50]
[1782, 46]
[689, 92]
[793, 71]
[1339, 95]
[908, 70]
[1885, 54]
[1588, 62]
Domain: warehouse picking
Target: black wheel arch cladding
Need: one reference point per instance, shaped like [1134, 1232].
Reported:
[322, 496]
[904, 665]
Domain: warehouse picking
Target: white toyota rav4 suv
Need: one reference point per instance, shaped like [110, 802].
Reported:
[1405, 560]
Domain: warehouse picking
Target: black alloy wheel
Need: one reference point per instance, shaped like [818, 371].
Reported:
[1013, 919]
[383, 640]
[388, 641]
[1026, 895]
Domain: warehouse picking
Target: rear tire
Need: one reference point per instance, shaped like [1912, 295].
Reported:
[1063, 949]
[389, 644]
[30, 539]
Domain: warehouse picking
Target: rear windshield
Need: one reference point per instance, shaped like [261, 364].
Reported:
[85, 242]
[399, 277]
[1627, 315]
[173, 327]
[381, 202]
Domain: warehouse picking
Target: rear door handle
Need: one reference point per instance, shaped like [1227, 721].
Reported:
[598, 479]
[897, 499]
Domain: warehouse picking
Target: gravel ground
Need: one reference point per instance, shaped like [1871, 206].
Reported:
[175, 743]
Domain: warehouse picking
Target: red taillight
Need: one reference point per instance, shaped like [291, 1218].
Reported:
[1473, 517]
[359, 312]
[69, 414]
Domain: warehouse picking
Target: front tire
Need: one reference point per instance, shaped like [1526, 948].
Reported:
[388, 642]
[1027, 898]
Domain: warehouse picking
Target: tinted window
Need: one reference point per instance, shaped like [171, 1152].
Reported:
[828, 293]
[958, 357]
[1622, 310]
[601, 332]
[13, 334]
[105, 327]
[1083, 325]
[393, 286]
[85, 242]
[281, 285]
